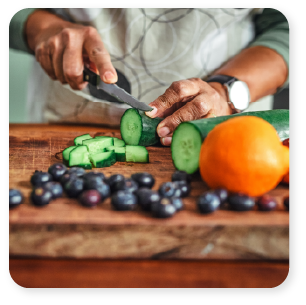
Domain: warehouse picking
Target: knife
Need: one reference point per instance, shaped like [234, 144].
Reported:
[113, 90]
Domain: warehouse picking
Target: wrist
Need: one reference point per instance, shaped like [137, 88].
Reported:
[222, 91]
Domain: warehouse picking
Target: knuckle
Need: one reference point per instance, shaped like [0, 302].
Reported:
[180, 88]
[68, 35]
[200, 107]
[52, 44]
[90, 31]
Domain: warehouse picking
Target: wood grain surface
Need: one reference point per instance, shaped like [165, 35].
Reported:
[65, 229]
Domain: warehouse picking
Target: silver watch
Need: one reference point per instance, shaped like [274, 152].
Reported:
[238, 91]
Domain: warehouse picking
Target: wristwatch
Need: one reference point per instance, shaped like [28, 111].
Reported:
[238, 91]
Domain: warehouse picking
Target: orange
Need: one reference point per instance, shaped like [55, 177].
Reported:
[243, 154]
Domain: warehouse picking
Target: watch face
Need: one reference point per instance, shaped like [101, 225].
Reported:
[239, 95]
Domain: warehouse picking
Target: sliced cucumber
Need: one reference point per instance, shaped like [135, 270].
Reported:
[79, 156]
[119, 151]
[119, 142]
[104, 159]
[98, 144]
[79, 140]
[138, 129]
[136, 154]
[66, 153]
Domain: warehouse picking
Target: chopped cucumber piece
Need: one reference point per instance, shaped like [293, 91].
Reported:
[103, 159]
[136, 154]
[79, 140]
[98, 144]
[118, 142]
[66, 153]
[119, 151]
[79, 156]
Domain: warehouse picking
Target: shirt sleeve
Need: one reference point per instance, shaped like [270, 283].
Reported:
[272, 31]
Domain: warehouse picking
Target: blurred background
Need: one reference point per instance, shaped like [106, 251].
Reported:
[19, 68]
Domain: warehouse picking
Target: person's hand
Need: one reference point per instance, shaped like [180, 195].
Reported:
[188, 100]
[60, 48]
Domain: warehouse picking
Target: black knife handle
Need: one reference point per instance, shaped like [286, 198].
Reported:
[90, 76]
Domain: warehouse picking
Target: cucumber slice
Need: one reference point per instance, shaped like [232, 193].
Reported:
[79, 156]
[118, 142]
[188, 136]
[66, 153]
[138, 129]
[103, 159]
[78, 140]
[136, 154]
[119, 151]
[98, 144]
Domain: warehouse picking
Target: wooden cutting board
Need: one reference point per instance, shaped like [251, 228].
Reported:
[65, 229]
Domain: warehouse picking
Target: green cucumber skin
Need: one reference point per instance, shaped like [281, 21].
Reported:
[279, 118]
[108, 162]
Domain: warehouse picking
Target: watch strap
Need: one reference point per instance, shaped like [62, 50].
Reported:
[222, 79]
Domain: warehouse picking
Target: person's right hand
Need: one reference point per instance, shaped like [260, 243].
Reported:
[60, 48]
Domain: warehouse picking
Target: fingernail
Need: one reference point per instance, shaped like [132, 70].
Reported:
[151, 113]
[109, 77]
[166, 141]
[163, 132]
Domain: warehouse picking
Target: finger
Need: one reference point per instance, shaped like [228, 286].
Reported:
[180, 91]
[166, 141]
[193, 110]
[43, 56]
[57, 50]
[98, 54]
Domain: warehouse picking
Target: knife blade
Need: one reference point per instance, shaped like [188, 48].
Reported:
[113, 90]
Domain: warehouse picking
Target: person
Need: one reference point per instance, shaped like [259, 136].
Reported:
[172, 59]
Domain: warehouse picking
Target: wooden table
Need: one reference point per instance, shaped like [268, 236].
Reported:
[66, 245]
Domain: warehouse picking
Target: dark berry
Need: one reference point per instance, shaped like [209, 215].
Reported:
[286, 202]
[146, 197]
[184, 187]
[55, 188]
[74, 187]
[16, 198]
[113, 179]
[104, 190]
[90, 198]
[91, 175]
[125, 185]
[266, 203]
[177, 202]
[241, 202]
[144, 179]
[181, 176]
[91, 183]
[222, 194]
[67, 177]
[41, 196]
[39, 178]
[163, 208]
[169, 189]
[208, 202]
[79, 171]
[124, 201]
[57, 170]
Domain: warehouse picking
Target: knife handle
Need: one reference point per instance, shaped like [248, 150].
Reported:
[90, 76]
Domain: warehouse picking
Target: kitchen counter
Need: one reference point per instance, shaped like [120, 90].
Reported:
[64, 233]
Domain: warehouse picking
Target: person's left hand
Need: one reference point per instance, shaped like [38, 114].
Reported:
[188, 100]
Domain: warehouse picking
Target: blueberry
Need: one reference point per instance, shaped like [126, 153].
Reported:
[113, 179]
[125, 185]
[163, 208]
[184, 187]
[91, 175]
[16, 198]
[90, 198]
[144, 179]
[241, 202]
[79, 171]
[104, 191]
[57, 170]
[55, 188]
[146, 197]
[67, 177]
[41, 196]
[91, 183]
[169, 189]
[286, 202]
[181, 176]
[208, 202]
[124, 201]
[74, 187]
[177, 202]
[266, 203]
[222, 194]
[39, 178]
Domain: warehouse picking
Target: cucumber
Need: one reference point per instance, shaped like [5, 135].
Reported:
[119, 151]
[138, 129]
[79, 156]
[118, 142]
[66, 153]
[136, 154]
[98, 144]
[78, 140]
[188, 136]
[103, 159]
